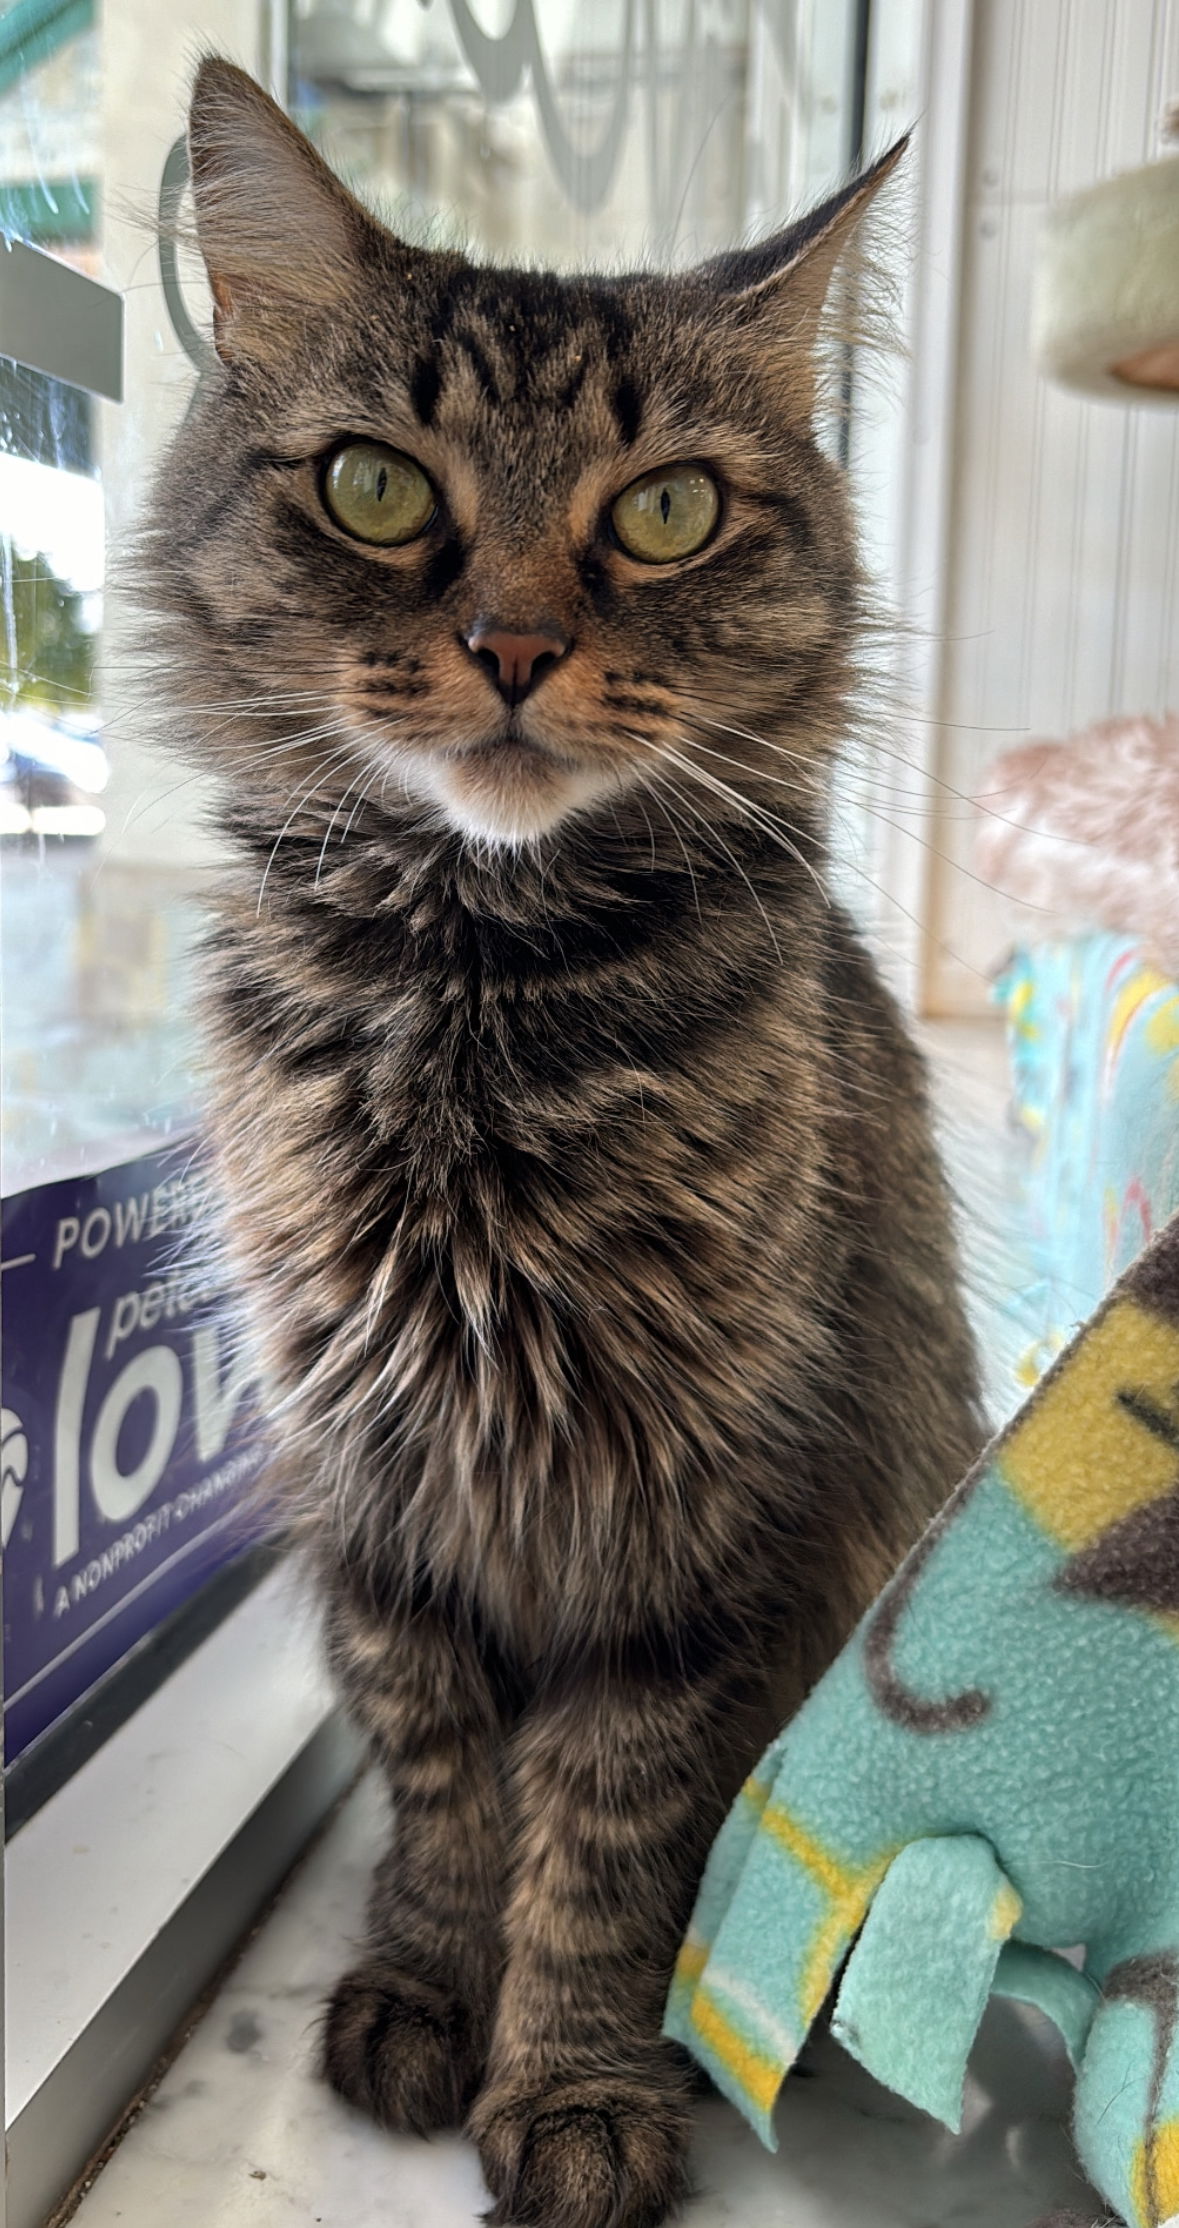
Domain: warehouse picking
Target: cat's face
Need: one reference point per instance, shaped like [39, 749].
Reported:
[506, 545]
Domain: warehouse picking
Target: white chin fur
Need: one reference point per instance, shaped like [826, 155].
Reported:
[507, 810]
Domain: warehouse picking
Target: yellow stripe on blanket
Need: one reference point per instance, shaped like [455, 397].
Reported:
[1080, 1458]
[848, 1890]
[758, 2075]
[1154, 2176]
[1006, 1911]
[836, 1879]
[691, 1962]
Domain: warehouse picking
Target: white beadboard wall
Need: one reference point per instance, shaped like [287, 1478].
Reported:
[1063, 591]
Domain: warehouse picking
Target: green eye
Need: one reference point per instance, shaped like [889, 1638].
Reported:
[667, 514]
[377, 493]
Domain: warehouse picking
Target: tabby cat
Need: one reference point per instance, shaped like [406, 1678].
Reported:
[580, 1172]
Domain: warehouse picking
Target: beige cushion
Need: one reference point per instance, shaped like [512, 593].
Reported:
[1105, 304]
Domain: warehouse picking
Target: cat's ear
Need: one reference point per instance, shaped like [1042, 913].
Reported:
[278, 232]
[778, 289]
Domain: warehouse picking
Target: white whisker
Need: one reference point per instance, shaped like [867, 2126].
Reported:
[756, 814]
[665, 809]
[712, 834]
[310, 789]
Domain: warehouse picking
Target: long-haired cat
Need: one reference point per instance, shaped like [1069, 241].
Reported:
[579, 1166]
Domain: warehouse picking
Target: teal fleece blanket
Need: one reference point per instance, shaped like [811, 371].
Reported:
[988, 1774]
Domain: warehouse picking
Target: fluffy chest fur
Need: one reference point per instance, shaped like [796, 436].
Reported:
[544, 1211]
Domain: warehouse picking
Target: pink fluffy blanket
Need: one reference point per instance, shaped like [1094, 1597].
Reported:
[1089, 829]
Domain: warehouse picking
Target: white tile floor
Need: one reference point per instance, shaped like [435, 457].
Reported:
[240, 2134]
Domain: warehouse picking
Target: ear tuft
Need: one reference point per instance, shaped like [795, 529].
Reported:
[817, 239]
[279, 234]
[779, 287]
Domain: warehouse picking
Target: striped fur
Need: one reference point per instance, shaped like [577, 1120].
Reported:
[579, 1169]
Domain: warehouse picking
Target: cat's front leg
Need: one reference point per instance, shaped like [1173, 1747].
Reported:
[585, 2118]
[407, 2031]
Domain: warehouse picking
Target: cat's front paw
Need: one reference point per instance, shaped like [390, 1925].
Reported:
[407, 2052]
[599, 2152]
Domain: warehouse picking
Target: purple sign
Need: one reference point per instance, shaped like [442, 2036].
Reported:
[129, 1429]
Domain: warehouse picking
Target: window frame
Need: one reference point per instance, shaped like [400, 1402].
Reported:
[901, 463]
[176, 1833]
[176, 1829]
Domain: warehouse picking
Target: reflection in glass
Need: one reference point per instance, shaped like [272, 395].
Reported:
[541, 129]
[92, 953]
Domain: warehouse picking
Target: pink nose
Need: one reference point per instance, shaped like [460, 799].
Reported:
[515, 662]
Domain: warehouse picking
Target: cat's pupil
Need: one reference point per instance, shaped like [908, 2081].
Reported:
[382, 483]
[665, 505]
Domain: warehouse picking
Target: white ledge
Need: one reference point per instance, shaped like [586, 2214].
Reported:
[197, 1805]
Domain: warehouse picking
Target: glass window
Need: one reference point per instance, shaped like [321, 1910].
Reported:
[127, 1429]
[569, 134]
